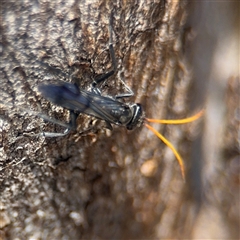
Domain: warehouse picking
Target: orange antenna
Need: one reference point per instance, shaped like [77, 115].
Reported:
[177, 121]
[167, 142]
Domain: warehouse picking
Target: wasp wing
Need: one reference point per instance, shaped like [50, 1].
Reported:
[69, 96]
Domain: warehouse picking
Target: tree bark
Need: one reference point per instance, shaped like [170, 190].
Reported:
[101, 184]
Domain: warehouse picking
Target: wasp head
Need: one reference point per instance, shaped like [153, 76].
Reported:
[137, 116]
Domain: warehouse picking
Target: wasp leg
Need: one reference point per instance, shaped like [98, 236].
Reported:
[69, 127]
[52, 134]
[108, 125]
[129, 93]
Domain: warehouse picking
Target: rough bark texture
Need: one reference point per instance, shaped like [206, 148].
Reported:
[102, 185]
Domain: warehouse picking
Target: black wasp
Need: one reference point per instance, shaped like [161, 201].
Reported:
[109, 109]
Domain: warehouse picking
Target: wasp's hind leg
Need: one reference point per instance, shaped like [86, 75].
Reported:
[69, 126]
[104, 76]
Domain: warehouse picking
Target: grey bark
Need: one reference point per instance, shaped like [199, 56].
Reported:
[93, 185]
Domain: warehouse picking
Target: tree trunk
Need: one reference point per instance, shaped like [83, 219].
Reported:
[97, 183]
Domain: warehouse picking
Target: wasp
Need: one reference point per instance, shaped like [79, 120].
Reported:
[109, 109]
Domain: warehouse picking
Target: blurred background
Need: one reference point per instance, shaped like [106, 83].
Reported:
[214, 54]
